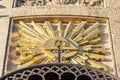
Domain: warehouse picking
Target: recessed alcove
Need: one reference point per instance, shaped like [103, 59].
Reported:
[27, 47]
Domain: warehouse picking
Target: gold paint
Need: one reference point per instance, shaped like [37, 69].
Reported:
[79, 44]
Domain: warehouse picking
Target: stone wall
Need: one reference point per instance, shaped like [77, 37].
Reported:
[112, 12]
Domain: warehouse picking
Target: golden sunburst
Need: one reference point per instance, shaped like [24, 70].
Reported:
[37, 44]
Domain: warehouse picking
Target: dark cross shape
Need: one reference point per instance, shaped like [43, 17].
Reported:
[59, 53]
[59, 44]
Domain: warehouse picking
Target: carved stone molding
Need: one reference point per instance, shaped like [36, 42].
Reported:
[59, 2]
[64, 1]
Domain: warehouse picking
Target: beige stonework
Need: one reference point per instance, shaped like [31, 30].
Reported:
[111, 11]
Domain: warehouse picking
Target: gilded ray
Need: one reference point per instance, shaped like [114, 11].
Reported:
[69, 55]
[92, 34]
[79, 44]
[73, 61]
[60, 31]
[39, 29]
[49, 29]
[68, 28]
[32, 37]
[79, 60]
[91, 28]
[97, 65]
[24, 60]
[79, 36]
[30, 63]
[77, 29]
[95, 56]
[27, 27]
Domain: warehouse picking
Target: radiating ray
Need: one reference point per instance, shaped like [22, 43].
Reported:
[31, 31]
[72, 43]
[82, 44]
[23, 43]
[50, 55]
[39, 29]
[49, 29]
[82, 57]
[27, 27]
[60, 31]
[92, 34]
[74, 61]
[95, 41]
[70, 54]
[24, 60]
[80, 35]
[32, 37]
[97, 65]
[91, 28]
[68, 28]
[79, 60]
[30, 63]
[77, 29]
[87, 48]
[45, 61]
[31, 34]
[39, 58]
[99, 51]
[97, 57]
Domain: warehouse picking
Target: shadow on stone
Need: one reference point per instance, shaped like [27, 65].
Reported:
[1, 7]
[3, 16]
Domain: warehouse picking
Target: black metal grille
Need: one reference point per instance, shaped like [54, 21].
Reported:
[59, 72]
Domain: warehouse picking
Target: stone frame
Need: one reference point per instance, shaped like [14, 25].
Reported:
[82, 18]
[111, 12]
